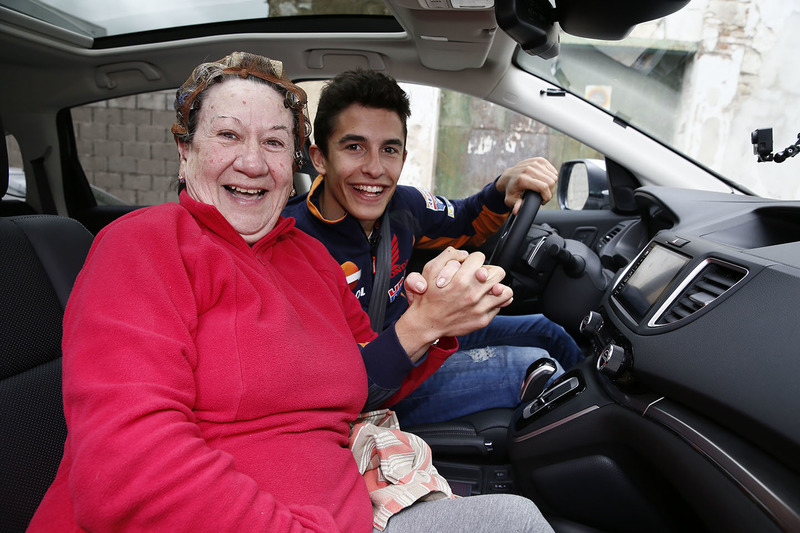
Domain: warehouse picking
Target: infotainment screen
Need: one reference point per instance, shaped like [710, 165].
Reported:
[648, 280]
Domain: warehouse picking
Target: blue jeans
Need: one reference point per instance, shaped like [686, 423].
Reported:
[526, 330]
[488, 369]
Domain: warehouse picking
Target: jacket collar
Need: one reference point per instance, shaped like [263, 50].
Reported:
[210, 217]
[313, 201]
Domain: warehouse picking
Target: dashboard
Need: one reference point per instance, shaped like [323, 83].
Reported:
[698, 333]
[707, 313]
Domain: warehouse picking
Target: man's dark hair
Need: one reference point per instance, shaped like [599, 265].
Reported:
[367, 88]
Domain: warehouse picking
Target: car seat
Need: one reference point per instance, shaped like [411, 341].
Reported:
[42, 255]
[471, 452]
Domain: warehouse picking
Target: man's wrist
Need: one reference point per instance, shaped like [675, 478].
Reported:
[414, 336]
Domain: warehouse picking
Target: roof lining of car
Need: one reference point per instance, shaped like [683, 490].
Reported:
[65, 55]
[447, 39]
[283, 25]
[25, 24]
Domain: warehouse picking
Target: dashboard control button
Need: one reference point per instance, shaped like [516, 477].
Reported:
[612, 361]
[591, 323]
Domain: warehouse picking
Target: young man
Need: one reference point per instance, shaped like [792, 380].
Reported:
[360, 134]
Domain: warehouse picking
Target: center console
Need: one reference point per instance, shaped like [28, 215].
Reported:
[599, 443]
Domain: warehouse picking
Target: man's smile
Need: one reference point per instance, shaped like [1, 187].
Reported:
[369, 190]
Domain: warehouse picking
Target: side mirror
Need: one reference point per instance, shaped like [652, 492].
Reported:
[583, 185]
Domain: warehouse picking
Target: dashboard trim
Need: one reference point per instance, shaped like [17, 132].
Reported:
[672, 294]
[557, 423]
[688, 280]
[780, 511]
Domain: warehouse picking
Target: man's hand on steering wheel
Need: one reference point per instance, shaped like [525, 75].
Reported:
[526, 185]
[534, 174]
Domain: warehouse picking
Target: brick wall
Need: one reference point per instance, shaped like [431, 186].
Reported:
[126, 148]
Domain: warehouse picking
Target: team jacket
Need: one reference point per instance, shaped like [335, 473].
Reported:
[418, 220]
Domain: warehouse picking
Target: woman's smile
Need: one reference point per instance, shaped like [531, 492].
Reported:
[246, 194]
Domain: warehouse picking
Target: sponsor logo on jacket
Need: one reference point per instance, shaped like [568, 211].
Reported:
[436, 203]
[394, 291]
[397, 269]
[352, 273]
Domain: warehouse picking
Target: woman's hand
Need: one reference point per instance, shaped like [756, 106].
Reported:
[455, 302]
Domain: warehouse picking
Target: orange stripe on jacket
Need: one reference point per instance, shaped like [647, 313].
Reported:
[487, 224]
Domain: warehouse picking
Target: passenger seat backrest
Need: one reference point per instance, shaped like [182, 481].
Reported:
[41, 257]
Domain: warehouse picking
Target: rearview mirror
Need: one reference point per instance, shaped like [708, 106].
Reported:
[536, 24]
[583, 185]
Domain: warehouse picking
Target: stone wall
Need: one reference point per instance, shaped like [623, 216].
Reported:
[126, 148]
[478, 140]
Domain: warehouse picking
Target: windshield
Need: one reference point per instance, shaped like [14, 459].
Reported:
[702, 81]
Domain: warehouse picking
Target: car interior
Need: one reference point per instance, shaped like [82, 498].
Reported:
[44, 254]
[682, 416]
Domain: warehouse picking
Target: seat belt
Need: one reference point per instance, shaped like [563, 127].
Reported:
[380, 279]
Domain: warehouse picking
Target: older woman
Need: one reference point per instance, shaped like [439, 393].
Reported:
[214, 357]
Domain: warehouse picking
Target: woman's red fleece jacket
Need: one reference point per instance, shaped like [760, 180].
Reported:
[210, 385]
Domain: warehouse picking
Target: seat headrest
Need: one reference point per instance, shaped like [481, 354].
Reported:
[3, 163]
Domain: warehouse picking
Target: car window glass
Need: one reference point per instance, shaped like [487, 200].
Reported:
[126, 149]
[458, 143]
[16, 175]
[478, 140]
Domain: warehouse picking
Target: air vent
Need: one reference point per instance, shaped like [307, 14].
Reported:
[610, 235]
[709, 282]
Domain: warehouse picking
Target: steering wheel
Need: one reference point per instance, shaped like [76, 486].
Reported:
[514, 230]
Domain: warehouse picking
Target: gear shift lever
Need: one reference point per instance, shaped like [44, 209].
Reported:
[536, 377]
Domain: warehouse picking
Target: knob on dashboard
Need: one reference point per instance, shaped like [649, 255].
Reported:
[591, 323]
[612, 361]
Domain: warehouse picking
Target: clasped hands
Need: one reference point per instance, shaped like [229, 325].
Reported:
[455, 294]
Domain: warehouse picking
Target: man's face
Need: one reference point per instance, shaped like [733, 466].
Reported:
[366, 152]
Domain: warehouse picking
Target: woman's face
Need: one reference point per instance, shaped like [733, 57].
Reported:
[240, 158]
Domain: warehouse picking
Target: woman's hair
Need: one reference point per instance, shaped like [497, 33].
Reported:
[244, 65]
[366, 88]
